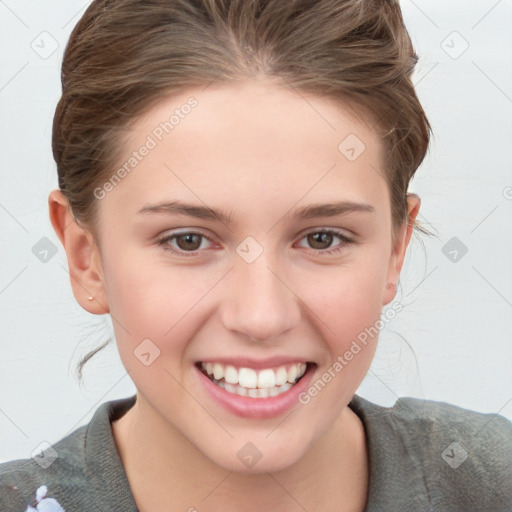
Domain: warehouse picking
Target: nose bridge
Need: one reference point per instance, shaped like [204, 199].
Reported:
[259, 303]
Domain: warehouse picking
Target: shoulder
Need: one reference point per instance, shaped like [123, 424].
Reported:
[56, 470]
[464, 457]
[483, 439]
[81, 471]
[441, 418]
[472, 453]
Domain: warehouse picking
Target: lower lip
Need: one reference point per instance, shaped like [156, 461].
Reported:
[248, 407]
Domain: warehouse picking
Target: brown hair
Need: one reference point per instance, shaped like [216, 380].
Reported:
[124, 55]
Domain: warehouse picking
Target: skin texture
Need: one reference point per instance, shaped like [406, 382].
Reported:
[256, 151]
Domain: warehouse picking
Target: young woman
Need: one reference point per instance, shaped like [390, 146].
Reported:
[233, 192]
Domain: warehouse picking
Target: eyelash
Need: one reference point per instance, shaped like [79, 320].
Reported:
[164, 242]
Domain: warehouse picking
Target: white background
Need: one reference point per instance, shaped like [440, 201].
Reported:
[457, 316]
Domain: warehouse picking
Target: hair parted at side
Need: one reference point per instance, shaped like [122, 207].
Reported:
[124, 55]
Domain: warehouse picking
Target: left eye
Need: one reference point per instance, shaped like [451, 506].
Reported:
[186, 241]
[190, 242]
[326, 236]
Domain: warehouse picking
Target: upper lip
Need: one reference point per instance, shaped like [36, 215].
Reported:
[247, 362]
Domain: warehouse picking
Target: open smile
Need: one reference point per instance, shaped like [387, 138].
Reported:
[262, 383]
[262, 392]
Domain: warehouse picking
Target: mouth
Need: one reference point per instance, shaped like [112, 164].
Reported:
[254, 383]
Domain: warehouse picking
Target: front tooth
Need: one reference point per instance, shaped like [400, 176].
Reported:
[263, 393]
[292, 374]
[253, 393]
[266, 379]
[218, 371]
[247, 378]
[241, 391]
[281, 376]
[231, 375]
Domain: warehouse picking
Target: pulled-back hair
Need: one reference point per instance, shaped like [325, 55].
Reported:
[125, 55]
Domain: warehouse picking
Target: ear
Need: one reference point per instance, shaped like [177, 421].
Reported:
[400, 246]
[83, 255]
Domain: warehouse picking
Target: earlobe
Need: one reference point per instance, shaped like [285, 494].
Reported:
[400, 247]
[82, 254]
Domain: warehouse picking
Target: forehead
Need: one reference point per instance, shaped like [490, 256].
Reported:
[255, 145]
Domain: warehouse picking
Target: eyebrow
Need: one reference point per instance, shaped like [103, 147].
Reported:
[305, 212]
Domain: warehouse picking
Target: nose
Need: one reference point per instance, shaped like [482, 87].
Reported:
[260, 303]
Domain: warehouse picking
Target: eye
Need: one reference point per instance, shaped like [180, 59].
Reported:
[190, 243]
[321, 240]
[187, 242]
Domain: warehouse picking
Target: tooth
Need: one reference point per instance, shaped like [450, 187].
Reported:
[281, 376]
[273, 391]
[263, 393]
[241, 391]
[302, 369]
[209, 368]
[266, 379]
[253, 392]
[218, 371]
[230, 387]
[285, 387]
[292, 373]
[247, 378]
[231, 375]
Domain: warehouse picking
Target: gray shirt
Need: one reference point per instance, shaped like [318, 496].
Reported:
[424, 456]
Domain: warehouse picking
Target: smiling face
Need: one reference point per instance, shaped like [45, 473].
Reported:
[275, 281]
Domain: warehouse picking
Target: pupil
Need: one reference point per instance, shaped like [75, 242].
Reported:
[188, 240]
[317, 237]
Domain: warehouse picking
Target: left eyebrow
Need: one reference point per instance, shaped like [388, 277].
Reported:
[330, 210]
[305, 212]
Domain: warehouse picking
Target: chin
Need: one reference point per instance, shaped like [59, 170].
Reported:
[248, 459]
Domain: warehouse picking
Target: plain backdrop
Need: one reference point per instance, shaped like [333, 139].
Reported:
[451, 342]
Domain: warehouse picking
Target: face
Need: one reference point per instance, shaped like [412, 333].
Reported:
[264, 287]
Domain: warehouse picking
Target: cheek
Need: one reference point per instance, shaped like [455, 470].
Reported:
[152, 301]
[145, 293]
[348, 298]
[347, 303]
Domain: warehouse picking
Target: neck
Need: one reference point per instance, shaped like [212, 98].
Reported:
[172, 474]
